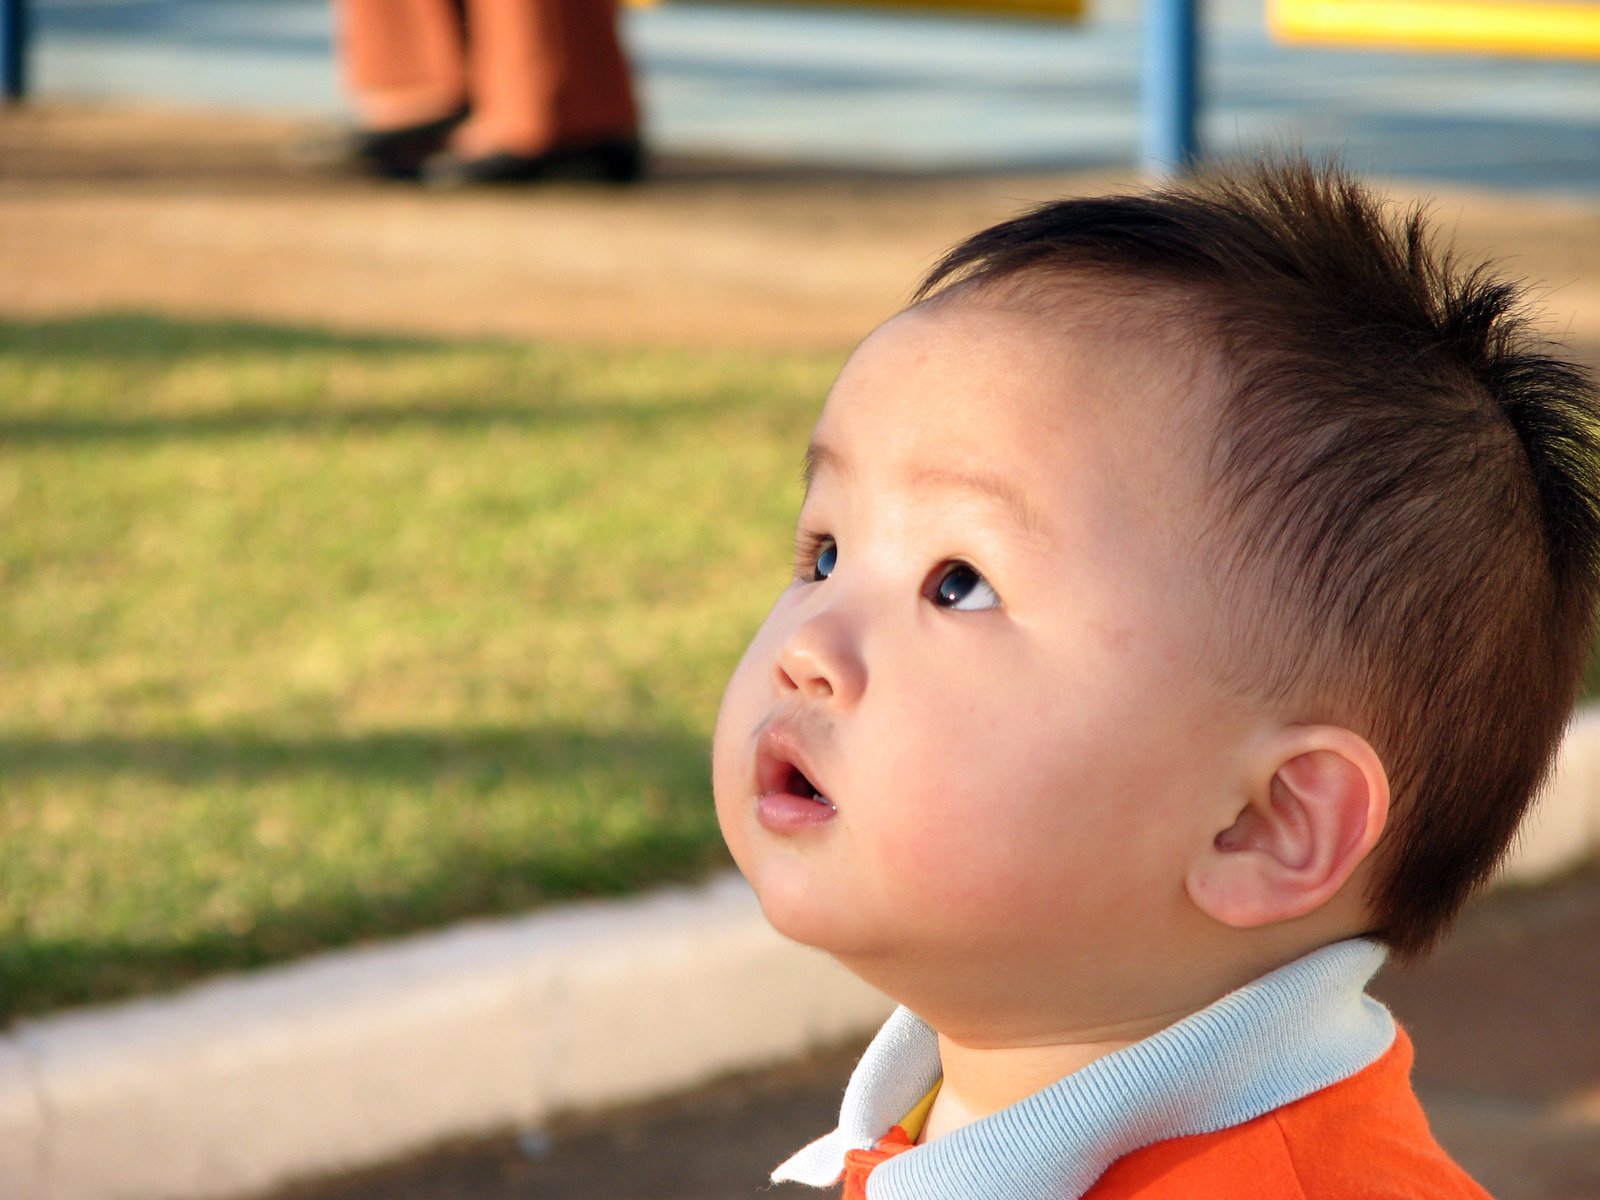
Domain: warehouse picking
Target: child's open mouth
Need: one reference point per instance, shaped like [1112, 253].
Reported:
[788, 799]
[798, 785]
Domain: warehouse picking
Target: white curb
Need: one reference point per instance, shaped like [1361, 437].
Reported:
[243, 1083]
[236, 1086]
[1565, 827]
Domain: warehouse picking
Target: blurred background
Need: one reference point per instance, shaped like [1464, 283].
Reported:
[373, 548]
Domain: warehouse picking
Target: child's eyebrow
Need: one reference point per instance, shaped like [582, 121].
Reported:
[995, 488]
[819, 455]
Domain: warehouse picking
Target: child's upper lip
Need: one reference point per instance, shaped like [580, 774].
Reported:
[779, 753]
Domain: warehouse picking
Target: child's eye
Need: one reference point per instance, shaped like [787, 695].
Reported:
[958, 586]
[818, 555]
[827, 557]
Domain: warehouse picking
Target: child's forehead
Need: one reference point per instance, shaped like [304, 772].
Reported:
[996, 379]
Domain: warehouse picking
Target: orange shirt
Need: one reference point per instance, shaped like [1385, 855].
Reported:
[858, 1164]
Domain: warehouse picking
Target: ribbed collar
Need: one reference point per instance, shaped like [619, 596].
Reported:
[1275, 1040]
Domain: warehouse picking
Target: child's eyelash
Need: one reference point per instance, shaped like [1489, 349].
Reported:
[808, 547]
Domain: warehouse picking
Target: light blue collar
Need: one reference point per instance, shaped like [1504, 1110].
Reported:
[1275, 1040]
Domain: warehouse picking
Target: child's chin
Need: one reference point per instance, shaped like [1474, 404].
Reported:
[833, 930]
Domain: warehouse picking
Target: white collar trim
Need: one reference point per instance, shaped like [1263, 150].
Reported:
[1275, 1040]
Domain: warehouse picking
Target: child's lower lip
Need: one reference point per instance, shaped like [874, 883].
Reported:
[784, 812]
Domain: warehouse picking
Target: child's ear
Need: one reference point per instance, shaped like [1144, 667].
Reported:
[1315, 814]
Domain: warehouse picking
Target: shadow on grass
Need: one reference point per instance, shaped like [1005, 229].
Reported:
[141, 340]
[332, 419]
[412, 755]
[676, 840]
[41, 975]
[146, 338]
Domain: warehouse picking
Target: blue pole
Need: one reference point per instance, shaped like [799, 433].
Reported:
[1171, 86]
[13, 49]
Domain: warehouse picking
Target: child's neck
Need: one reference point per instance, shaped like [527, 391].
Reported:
[989, 1063]
[979, 1080]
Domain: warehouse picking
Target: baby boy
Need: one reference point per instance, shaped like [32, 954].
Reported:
[1191, 590]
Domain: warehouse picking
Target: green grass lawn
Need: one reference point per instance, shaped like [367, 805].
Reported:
[311, 638]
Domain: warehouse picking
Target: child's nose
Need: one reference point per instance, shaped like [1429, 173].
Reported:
[821, 661]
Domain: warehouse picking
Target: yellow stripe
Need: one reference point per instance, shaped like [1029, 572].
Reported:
[1546, 30]
[1063, 10]
[914, 1120]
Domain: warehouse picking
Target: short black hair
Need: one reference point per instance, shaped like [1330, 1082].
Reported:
[1406, 474]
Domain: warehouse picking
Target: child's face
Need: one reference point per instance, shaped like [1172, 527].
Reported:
[986, 661]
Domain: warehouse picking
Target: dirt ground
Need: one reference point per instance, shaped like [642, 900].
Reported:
[205, 215]
[209, 215]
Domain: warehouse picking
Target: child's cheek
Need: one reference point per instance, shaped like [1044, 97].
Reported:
[939, 865]
[733, 744]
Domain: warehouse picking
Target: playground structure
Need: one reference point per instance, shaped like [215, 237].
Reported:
[1540, 30]
[1172, 50]
[1170, 56]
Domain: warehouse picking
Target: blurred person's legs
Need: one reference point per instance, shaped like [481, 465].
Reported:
[545, 73]
[551, 94]
[404, 60]
[545, 82]
[405, 67]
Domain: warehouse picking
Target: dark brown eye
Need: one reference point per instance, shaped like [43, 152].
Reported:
[960, 587]
[827, 557]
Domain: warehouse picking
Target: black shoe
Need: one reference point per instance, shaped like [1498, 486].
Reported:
[385, 153]
[609, 160]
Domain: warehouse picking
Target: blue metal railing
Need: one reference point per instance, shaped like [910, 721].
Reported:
[13, 49]
[1171, 85]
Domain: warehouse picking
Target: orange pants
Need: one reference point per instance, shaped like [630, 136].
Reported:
[535, 72]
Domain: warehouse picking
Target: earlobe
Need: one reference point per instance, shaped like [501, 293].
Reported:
[1311, 821]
